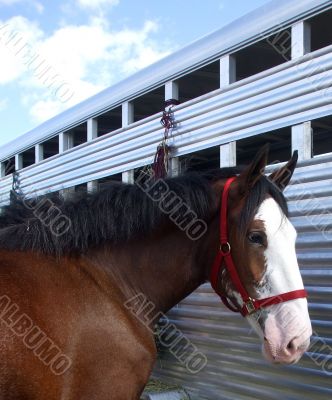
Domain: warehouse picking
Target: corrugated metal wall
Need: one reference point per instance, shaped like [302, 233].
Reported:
[286, 95]
[236, 369]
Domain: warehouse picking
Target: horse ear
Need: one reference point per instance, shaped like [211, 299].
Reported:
[283, 175]
[254, 171]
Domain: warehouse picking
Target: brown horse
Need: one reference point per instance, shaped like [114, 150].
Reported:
[69, 268]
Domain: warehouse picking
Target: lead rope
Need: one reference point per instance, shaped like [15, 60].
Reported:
[160, 165]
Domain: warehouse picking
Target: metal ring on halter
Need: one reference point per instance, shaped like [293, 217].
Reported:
[250, 306]
[225, 248]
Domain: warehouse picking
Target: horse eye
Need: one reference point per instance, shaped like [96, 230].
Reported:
[256, 238]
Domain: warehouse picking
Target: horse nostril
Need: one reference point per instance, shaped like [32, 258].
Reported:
[292, 347]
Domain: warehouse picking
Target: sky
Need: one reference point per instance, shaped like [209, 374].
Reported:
[54, 54]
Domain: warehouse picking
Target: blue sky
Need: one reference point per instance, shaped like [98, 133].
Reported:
[54, 54]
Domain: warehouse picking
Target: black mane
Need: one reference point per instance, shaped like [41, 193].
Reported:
[115, 214]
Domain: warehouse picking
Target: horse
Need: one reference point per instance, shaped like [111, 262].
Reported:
[72, 270]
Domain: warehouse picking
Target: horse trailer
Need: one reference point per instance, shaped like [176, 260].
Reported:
[264, 78]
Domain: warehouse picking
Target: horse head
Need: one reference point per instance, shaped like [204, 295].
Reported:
[256, 270]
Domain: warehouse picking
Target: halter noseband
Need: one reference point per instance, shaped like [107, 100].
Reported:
[250, 305]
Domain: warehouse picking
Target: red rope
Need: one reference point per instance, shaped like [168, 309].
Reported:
[160, 164]
[161, 159]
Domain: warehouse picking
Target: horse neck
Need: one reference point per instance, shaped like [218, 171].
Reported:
[164, 269]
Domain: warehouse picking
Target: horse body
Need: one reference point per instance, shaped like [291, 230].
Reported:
[81, 315]
[66, 331]
[80, 305]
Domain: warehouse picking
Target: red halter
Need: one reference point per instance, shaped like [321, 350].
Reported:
[249, 305]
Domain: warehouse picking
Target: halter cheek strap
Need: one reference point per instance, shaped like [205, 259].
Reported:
[250, 305]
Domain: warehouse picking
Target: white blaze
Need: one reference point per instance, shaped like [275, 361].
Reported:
[289, 320]
[282, 270]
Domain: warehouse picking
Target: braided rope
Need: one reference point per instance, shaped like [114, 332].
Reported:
[160, 165]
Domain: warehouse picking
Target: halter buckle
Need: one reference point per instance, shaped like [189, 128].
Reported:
[250, 306]
[225, 248]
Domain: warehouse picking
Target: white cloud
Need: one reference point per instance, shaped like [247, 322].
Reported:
[95, 4]
[14, 34]
[42, 110]
[87, 57]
